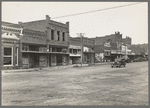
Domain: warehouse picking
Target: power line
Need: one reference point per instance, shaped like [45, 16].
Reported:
[97, 10]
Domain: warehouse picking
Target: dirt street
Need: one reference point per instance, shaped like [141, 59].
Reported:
[94, 85]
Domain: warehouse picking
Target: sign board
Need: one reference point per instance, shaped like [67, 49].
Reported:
[75, 47]
[113, 51]
[107, 44]
[85, 49]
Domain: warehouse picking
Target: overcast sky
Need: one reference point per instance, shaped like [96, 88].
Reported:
[130, 20]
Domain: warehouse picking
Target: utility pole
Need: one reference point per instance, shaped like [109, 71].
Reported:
[81, 35]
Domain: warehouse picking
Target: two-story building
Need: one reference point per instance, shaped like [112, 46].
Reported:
[108, 47]
[79, 45]
[42, 43]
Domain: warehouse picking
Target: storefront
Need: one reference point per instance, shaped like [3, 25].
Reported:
[10, 50]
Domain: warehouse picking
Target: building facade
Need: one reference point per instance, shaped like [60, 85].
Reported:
[108, 47]
[43, 43]
[10, 45]
[77, 45]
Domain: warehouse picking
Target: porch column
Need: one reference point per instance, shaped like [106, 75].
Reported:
[20, 53]
[66, 36]
[60, 36]
[49, 33]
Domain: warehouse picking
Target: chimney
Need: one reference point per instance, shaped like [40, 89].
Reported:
[47, 17]
[67, 23]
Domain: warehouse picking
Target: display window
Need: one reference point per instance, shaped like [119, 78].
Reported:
[8, 56]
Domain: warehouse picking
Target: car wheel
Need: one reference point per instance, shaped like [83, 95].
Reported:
[112, 66]
[124, 65]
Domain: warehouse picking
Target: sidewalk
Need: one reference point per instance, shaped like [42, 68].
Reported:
[54, 68]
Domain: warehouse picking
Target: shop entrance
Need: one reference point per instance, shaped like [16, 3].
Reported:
[33, 60]
[59, 59]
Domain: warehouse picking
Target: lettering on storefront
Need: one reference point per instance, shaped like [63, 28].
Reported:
[75, 47]
[85, 49]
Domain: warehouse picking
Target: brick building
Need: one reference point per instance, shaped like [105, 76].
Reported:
[108, 47]
[140, 49]
[75, 50]
[44, 43]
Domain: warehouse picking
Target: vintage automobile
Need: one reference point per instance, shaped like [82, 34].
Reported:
[119, 63]
[128, 61]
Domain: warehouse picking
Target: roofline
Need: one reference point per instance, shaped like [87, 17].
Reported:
[13, 28]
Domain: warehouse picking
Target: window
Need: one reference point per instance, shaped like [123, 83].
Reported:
[79, 51]
[63, 36]
[25, 47]
[52, 35]
[53, 49]
[75, 51]
[8, 56]
[70, 50]
[59, 49]
[58, 35]
[33, 48]
[16, 56]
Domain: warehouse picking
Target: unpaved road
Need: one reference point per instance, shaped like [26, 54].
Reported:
[95, 85]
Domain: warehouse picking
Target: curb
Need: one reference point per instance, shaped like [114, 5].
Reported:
[53, 68]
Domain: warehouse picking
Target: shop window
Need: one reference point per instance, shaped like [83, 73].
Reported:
[53, 49]
[63, 36]
[59, 49]
[8, 56]
[25, 47]
[64, 50]
[33, 48]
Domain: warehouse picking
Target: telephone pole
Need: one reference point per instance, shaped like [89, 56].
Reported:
[81, 35]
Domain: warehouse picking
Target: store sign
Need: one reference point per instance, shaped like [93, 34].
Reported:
[107, 50]
[76, 55]
[75, 47]
[113, 51]
[107, 44]
[85, 49]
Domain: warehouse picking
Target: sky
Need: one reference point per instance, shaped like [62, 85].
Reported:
[129, 20]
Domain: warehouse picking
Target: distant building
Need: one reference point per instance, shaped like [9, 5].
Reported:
[140, 49]
[75, 50]
[109, 46]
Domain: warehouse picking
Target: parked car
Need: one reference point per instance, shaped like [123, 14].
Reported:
[119, 63]
[139, 59]
[128, 61]
[135, 60]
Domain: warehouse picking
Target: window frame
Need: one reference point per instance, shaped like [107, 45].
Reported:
[63, 36]
[8, 55]
[17, 56]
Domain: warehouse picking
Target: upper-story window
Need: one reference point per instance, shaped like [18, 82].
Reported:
[8, 56]
[63, 36]
[52, 34]
[58, 33]
[25, 47]
[75, 51]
